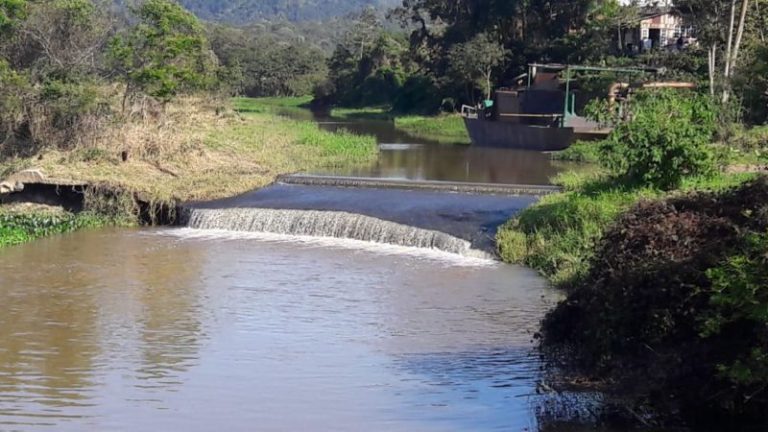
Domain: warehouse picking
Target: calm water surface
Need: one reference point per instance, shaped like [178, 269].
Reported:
[186, 330]
[406, 157]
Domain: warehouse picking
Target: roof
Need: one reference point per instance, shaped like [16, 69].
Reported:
[647, 12]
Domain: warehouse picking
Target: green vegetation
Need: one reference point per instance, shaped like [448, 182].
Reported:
[165, 54]
[580, 151]
[249, 11]
[17, 227]
[367, 113]
[661, 255]
[676, 290]
[447, 128]
[668, 139]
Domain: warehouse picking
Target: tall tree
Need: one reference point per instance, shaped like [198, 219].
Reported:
[164, 54]
[475, 61]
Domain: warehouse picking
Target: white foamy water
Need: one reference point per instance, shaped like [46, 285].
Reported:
[329, 224]
[480, 260]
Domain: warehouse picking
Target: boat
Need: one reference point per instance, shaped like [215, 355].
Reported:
[541, 115]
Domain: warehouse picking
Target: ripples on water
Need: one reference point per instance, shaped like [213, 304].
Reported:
[196, 331]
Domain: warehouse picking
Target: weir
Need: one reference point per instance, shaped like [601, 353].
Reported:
[460, 223]
[332, 224]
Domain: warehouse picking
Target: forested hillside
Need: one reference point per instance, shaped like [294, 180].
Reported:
[247, 11]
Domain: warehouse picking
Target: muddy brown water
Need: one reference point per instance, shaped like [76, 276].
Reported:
[407, 157]
[190, 330]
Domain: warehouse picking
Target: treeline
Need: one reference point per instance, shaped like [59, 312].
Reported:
[456, 50]
[72, 69]
[249, 11]
[69, 69]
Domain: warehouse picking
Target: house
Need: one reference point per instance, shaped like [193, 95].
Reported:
[656, 27]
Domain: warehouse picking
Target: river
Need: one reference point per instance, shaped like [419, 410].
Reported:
[408, 157]
[199, 330]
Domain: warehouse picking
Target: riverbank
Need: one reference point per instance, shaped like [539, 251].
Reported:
[442, 128]
[23, 223]
[198, 150]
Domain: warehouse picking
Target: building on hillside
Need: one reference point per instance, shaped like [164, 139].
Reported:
[657, 27]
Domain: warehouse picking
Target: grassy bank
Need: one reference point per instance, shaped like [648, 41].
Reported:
[662, 254]
[444, 128]
[21, 224]
[557, 236]
[201, 150]
[448, 128]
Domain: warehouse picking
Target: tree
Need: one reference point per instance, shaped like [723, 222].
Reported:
[163, 55]
[62, 36]
[475, 61]
[717, 25]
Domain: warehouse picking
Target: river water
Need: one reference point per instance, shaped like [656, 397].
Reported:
[194, 330]
[407, 157]
[203, 329]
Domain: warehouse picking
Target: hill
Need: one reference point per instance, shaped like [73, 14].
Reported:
[248, 11]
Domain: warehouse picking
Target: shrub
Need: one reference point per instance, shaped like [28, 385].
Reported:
[667, 139]
[674, 306]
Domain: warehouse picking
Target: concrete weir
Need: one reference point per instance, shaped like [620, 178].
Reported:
[426, 185]
[413, 214]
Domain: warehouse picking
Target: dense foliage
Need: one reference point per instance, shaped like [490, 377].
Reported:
[668, 138]
[59, 57]
[164, 54]
[18, 228]
[264, 61]
[247, 11]
[673, 306]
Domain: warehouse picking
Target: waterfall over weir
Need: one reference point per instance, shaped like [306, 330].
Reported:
[335, 224]
[444, 220]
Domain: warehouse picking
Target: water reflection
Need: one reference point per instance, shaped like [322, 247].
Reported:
[76, 311]
[132, 330]
[408, 157]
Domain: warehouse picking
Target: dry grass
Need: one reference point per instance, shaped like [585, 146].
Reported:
[200, 150]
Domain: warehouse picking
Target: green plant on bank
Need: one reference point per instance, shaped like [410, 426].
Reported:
[165, 54]
[580, 151]
[653, 152]
[668, 138]
[444, 128]
[557, 235]
[674, 304]
[367, 113]
[17, 228]
[336, 147]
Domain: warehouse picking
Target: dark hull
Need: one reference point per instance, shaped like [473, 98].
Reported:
[500, 134]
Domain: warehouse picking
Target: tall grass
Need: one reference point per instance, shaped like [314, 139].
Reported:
[444, 128]
[201, 149]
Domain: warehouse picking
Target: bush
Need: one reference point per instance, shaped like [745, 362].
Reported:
[668, 138]
[674, 306]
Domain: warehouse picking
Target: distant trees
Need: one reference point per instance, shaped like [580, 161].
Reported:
[475, 61]
[262, 63]
[249, 11]
[368, 67]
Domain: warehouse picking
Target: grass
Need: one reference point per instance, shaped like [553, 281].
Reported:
[447, 128]
[580, 151]
[557, 236]
[244, 104]
[202, 150]
[368, 113]
[20, 225]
